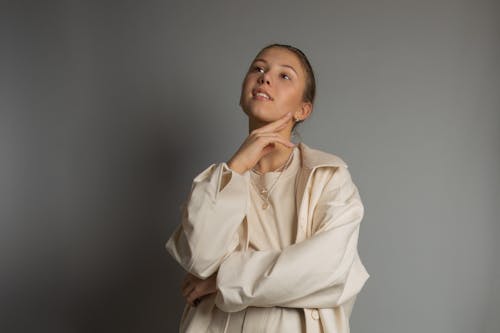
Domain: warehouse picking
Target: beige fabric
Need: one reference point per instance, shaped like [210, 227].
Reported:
[294, 278]
[273, 228]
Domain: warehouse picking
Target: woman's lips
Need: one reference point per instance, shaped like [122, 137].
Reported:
[261, 97]
[261, 94]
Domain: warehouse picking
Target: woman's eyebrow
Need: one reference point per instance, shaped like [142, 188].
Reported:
[284, 65]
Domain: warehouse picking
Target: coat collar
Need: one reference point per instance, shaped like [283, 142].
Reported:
[312, 158]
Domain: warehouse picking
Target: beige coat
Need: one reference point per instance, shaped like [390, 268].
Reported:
[321, 273]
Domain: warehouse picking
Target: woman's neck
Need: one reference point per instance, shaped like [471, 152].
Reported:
[274, 160]
[279, 155]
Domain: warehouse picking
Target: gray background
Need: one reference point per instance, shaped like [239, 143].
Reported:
[109, 110]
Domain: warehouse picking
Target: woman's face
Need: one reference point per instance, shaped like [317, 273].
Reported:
[273, 86]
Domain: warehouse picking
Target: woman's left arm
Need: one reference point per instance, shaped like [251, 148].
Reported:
[312, 273]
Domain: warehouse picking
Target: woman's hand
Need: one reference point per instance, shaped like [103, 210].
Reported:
[194, 288]
[260, 142]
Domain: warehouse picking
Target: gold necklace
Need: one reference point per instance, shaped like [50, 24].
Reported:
[264, 193]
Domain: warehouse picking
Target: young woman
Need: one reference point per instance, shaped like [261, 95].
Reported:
[269, 238]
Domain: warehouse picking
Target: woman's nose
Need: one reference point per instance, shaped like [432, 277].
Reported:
[264, 79]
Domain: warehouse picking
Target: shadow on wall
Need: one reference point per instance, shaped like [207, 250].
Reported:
[118, 275]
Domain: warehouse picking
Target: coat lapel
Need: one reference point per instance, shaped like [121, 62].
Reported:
[311, 159]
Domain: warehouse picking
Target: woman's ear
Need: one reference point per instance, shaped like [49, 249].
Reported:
[305, 110]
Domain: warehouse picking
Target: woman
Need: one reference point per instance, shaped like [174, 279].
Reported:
[269, 238]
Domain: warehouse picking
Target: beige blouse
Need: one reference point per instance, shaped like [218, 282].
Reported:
[276, 272]
[271, 228]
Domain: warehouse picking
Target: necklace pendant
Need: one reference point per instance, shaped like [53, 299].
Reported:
[265, 205]
[263, 191]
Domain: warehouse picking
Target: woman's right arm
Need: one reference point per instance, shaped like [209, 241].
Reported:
[218, 203]
[322, 271]
[211, 215]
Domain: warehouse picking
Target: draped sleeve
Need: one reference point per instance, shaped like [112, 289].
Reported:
[210, 217]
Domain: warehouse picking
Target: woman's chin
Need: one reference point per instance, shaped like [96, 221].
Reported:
[261, 115]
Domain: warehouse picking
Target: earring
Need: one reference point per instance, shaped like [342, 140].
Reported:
[296, 119]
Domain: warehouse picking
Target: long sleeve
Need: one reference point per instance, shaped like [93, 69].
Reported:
[210, 218]
[311, 273]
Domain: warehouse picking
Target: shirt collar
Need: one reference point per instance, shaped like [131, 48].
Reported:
[312, 158]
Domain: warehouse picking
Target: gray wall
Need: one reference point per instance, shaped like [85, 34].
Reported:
[109, 110]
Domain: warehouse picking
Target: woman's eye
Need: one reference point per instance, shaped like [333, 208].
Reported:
[258, 69]
[285, 76]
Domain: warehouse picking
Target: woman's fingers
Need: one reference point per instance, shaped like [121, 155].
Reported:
[188, 289]
[188, 284]
[193, 296]
[274, 137]
[193, 289]
[275, 125]
[187, 279]
[196, 295]
[260, 142]
[281, 126]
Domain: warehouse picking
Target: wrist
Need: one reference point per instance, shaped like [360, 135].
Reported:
[236, 167]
